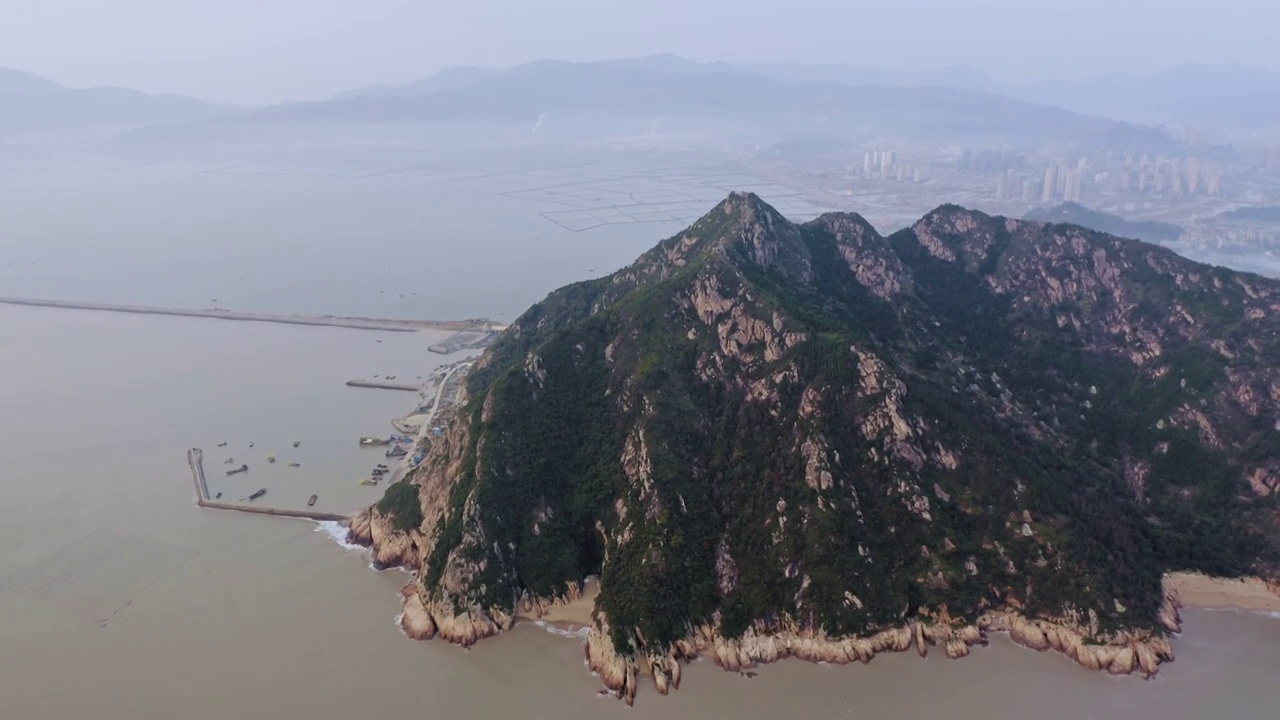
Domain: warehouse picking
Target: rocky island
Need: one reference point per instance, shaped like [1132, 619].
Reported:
[768, 440]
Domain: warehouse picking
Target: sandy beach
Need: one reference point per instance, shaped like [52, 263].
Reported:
[1196, 590]
[576, 613]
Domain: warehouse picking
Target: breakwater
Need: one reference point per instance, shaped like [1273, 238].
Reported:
[354, 323]
[195, 458]
[384, 385]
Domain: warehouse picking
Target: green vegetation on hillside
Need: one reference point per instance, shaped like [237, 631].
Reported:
[740, 427]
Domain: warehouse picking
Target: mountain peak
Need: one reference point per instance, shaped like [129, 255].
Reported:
[745, 227]
[953, 233]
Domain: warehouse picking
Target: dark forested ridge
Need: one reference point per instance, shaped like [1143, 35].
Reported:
[760, 425]
[1152, 231]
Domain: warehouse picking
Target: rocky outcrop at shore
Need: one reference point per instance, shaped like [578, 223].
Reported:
[391, 547]
[1078, 638]
[425, 620]
[1119, 654]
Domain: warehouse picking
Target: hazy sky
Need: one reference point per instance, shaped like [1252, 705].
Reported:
[251, 51]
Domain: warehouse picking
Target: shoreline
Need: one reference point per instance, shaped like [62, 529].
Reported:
[573, 615]
[569, 614]
[1195, 590]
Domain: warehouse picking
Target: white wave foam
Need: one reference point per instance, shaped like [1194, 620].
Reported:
[337, 532]
[1244, 611]
[575, 632]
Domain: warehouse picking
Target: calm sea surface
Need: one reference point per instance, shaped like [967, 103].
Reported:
[120, 599]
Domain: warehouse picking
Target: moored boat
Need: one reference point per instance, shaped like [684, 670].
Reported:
[311, 501]
[258, 493]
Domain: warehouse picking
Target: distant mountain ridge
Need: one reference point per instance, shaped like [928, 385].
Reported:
[32, 103]
[646, 88]
[1231, 97]
[1076, 214]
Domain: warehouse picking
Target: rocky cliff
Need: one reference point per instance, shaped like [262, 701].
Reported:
[773, 440]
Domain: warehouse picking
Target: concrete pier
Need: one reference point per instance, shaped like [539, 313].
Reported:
[355, 323]
[195, 458]
[384, 385]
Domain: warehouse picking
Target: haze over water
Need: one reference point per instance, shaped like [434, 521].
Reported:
[119, 598]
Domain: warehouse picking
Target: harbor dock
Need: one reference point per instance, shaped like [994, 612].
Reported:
[195, 458]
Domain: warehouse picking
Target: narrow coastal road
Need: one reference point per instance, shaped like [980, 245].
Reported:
[405, 462]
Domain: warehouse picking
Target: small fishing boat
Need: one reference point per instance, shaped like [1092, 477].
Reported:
[397, 452]
[219, 495]
[296, 443]
[311, 501]
[242, 468]
[271, 458]
[250, 444]
[258, 493]
[222, 444]
[295, 464]
[368, 441]
[367, 481]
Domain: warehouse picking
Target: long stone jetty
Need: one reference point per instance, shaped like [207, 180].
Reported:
[342, 321]
[384, 385]
[195, 458]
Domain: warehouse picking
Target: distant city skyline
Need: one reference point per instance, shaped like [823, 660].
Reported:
[255, 53]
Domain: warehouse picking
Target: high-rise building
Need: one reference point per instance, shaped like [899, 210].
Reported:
[902, 173]
[1000, 186]
[1069, 185]
[885, 162]
[1050, 184]
[1026, 190]
[866, 165]
[917, 175]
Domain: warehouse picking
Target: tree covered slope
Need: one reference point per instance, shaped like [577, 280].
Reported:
[771, 439]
